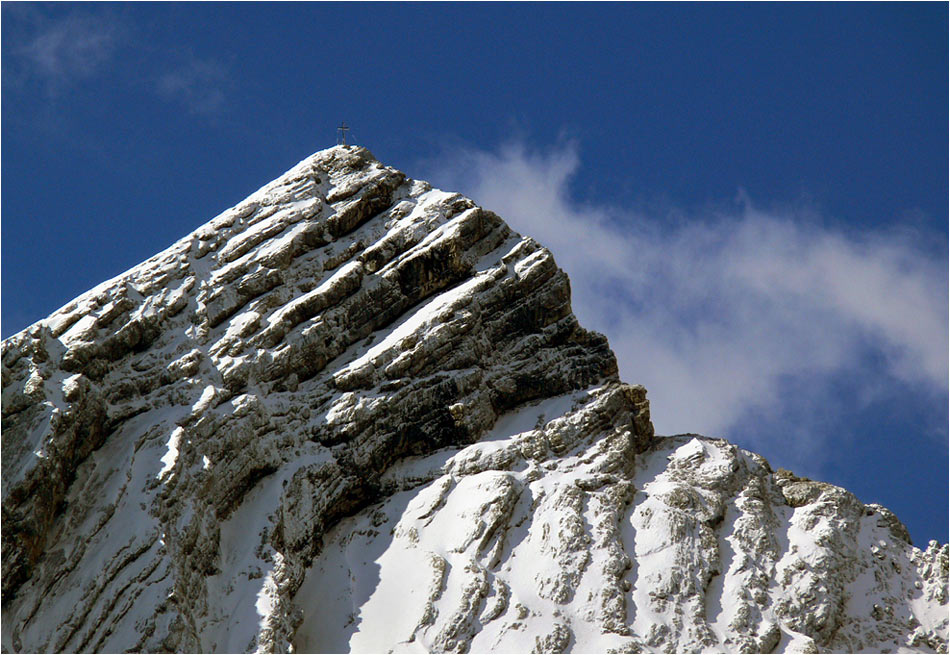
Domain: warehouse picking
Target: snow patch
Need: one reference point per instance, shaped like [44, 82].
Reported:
[171, 454]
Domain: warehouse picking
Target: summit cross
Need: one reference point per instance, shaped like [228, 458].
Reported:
[343, 130]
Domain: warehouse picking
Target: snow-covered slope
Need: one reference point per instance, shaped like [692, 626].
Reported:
[357, 413]
[691, 546]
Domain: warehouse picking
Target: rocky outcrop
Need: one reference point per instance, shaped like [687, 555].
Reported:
[357, 412]
[692, 545]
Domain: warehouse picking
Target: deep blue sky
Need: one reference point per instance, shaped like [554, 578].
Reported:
[125, 126]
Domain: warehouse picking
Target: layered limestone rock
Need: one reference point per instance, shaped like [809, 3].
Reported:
[355, 412]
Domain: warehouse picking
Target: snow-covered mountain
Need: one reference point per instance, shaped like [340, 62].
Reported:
[357, 413]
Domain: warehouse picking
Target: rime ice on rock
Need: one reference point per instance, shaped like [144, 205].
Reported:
[355, 412]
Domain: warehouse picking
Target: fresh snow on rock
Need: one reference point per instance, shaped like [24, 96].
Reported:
[357, 413]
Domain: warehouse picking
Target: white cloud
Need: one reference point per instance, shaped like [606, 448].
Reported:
[61, 51]
[198, 84]
[716, 313]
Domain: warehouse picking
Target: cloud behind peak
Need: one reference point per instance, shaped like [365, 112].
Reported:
[718, 311]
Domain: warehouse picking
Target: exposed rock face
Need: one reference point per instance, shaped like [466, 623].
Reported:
[354, 412]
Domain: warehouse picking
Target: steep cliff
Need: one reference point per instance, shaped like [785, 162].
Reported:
[355, 412]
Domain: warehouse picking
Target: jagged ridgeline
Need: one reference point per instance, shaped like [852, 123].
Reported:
[357, 413]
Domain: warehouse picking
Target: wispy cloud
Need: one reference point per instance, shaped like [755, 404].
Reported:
[62, 51]
[717, 312]
[200, 85]
[56, 48]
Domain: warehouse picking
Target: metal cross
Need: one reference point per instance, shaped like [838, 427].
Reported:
[342, 130]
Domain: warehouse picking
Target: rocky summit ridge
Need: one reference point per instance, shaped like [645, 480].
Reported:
[354, 412]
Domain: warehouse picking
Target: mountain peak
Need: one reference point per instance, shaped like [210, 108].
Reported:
[354, 411]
